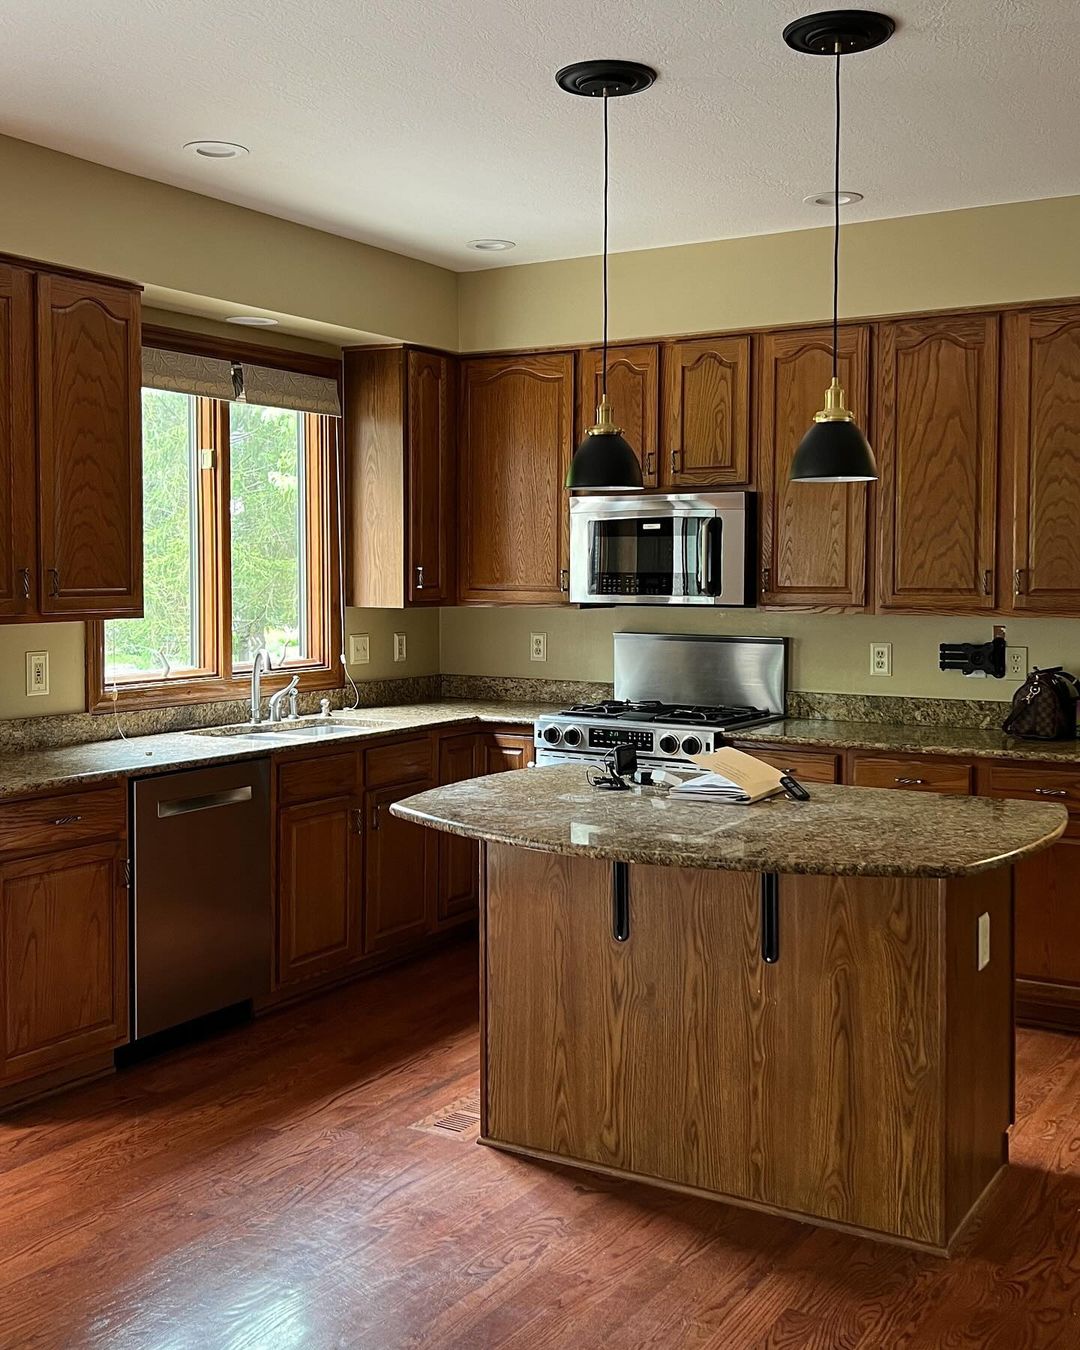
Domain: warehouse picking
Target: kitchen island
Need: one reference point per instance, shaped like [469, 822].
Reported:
[804, 1007]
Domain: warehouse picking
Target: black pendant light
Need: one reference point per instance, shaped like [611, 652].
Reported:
[834, 450]
[605, 460]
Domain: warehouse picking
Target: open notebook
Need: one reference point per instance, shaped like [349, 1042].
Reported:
[730, 776]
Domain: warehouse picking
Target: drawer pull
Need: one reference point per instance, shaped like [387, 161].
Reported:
[67, 820]
[24, 575]
[910, 782]
[1052, 792]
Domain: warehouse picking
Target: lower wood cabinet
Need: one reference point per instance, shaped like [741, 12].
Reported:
[63, 958]
[319, 880]
[459, 859]
[505, 750]
[400, 868]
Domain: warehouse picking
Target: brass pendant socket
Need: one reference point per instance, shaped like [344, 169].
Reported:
[835, 409]
[604, 424]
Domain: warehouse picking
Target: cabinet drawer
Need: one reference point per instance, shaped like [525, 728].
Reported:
[307, 780]
[399, 763]
[1038, 785]
[808, 766]
[55, 822]
[914, 772]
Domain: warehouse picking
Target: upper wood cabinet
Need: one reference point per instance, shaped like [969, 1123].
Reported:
[516, 431]
[1041, 482]
[813, 535]
[706, 415]
[18, 457]
[936, 444]
[399, 439]
[89, 448]
[634, 390]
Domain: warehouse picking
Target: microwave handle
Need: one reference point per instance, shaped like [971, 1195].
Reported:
[712, 532]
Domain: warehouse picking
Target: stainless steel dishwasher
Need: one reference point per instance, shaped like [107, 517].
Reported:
[202, 916]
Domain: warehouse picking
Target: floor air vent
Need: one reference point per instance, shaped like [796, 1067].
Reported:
[459, 1120]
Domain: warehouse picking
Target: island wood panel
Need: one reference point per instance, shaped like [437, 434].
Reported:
[319, 877]
[89, 447]
[634, 390]
[63, 958]
[679, 1056]
[459, 859]
[18, 456]
[400, 871]
[516, 427]
[430, 410]
[1041, 480]
[936, 432]
[706, 413]
[813, 535]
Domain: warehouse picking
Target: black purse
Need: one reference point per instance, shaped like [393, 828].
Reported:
[1044, 707]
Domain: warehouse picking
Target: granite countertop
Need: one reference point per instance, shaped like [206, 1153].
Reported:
[43, 770]
[841, 831]
[907, 738]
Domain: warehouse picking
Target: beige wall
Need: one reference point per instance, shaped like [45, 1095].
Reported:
[421, 629]
[989, 255]
[829, 653]
[64, 643]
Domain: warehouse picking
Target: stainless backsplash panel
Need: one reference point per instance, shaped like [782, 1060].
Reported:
[699, 668]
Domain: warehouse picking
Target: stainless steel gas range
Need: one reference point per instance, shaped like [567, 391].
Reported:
[676, 695]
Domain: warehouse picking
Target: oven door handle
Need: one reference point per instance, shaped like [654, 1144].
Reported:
[710, 545]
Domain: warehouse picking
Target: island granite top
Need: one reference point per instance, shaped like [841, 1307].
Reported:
[843, 831]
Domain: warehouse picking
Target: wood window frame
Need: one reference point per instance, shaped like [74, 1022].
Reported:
[217, 679]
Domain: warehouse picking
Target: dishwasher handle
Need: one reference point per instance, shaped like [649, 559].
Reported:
[183, 806]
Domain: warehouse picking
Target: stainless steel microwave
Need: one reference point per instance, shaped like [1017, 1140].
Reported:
[671, 549]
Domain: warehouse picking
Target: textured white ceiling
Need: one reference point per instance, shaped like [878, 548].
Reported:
[420, 124]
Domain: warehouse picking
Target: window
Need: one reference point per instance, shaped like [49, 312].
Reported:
[239, 536]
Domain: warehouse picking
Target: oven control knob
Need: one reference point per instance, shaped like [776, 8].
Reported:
[552, 735]
[571, 736]
[669, 744]
[691, 745]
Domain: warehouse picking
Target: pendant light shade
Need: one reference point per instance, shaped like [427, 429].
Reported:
[834, 450]
[605, 461]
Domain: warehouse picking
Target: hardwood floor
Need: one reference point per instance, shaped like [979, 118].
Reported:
[265, 1191]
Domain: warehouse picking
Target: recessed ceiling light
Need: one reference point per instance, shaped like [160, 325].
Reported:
[252, 321]
[492, 245]
[828, 198]
[217, 149]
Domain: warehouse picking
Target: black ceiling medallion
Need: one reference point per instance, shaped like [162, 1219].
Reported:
[605, 461]
[834, 450]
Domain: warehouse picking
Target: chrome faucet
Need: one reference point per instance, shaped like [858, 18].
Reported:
[276, 700]
[259, 666]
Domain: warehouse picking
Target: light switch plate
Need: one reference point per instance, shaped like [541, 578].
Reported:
[537, 646]
[399, 647]
[881, 658]
[37, 674]
[984, 942]
[359, 649]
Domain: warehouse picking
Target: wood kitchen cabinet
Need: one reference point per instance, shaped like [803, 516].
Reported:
[516, 430]
[89, 367]
[398, 420]
[400, 871]
[501, 750]
[1041, 479]
[706, 415]
[18, 456]
[459, 859]
[936, 441]
[634, 391]
[813, 535]
[319, 887]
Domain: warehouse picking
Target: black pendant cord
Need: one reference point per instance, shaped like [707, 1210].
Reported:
[836, 230]
[606, 175]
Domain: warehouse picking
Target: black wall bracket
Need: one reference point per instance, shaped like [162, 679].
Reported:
[975, 658]
[620, 901]
[770, 918]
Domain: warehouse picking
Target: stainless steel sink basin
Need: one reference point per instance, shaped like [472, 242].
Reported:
[313, 729]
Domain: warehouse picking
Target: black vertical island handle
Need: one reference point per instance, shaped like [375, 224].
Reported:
[770, 918]
[620, 901]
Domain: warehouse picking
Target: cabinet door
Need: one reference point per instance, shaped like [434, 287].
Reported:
[516, 430]
[399, 873]
[1041, 406]
[937, 441]
[459, 859]
[706, 413]
[88, 407]
[1048, 915]
[506, 750]
[63, 958]
[18, 459]
[634, 391]
[429, 445]
[813, 535]
[318, 883]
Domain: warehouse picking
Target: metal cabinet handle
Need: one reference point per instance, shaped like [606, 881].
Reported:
[420, 577]
[766, 578]
[987, 580]
[375, 817]
[54, 581]
[650, 463]
[1052, 792]
[676, 455]
[1018, 581]
[24, 574]
[910, 782]
[67, 820]
[564, 578]
[358, 820]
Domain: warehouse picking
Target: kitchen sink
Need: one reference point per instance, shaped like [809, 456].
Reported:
[308, 730]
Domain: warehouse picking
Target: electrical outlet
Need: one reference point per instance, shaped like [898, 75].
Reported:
[537, 646]
[1016, 663]
[881, 658]
[37, 673]
[983, 958]
[399, 646]
[359, 649]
